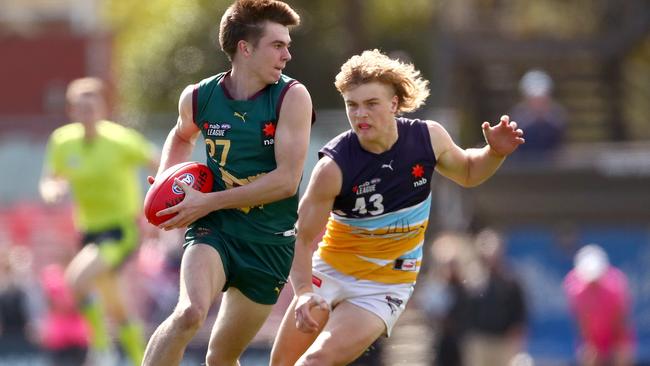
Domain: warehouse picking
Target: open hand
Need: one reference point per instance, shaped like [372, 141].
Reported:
[504, 137]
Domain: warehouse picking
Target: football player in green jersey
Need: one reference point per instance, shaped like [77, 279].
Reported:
[255, 124]
[99, 161]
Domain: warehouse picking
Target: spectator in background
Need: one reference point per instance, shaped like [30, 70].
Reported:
[64, 333]
[599, 298]
[496, 308]
[442, 295]
[543, 119]
[19, 302]
[99, 162]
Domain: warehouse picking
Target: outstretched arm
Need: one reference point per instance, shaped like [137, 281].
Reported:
[313, 212]
[471, 167]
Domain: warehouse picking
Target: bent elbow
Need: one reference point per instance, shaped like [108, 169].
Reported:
[289, 188]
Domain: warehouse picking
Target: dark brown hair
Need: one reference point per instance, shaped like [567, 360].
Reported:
[245, 20]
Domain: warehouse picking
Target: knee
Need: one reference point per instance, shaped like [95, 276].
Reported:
[189, 317]
[314, 359]
[327, 355]
[319, 357]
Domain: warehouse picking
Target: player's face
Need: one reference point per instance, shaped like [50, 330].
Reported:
[371, 110]
[87, 107]
[271, 54]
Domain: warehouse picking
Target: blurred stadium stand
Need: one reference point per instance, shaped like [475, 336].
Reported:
[593, 190]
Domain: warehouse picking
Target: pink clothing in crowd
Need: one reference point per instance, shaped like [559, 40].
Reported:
[64, 326]
[602, 307]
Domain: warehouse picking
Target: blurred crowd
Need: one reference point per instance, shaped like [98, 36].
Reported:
[475, 305]
[38, 315]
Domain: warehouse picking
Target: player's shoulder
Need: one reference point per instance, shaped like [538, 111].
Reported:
[67, 133]
[340, 142]
[112, 128]
[287, 84]
[286, 79]
[117, 132]
[202, 89]
[212, 79]
[296, 93]
[328, 172]
[436, 129]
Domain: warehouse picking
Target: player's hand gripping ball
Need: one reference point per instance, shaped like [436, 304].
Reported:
[164, 192]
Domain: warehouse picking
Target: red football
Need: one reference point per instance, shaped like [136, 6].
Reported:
[164, 193]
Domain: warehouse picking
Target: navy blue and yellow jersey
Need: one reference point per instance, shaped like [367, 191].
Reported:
[376, 228]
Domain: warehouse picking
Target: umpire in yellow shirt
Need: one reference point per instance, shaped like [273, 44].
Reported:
[98, 162]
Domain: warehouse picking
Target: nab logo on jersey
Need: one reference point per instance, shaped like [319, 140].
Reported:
[268, 133]
[215, 129]
[417, 171]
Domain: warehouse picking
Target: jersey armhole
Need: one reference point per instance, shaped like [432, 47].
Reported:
[195, 103]
[281, 99]
[322, 153]
[431, 148]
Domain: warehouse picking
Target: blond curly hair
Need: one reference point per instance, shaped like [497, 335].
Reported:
[373, 65]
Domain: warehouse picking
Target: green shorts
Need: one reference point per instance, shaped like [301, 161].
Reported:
[116, 244]
[258, 270]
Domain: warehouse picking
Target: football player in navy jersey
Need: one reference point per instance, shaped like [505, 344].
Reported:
[371, 191]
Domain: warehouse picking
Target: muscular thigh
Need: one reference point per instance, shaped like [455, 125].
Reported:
[202, 276]
[348, 333]
[257, 270]
[238, 321]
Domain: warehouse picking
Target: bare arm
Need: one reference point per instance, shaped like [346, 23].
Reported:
[181, 139]
[471, 167]
[51, 186]
[314, 209]
[291, 143]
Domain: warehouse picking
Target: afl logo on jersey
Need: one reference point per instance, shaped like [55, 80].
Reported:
[215, 129]
[268, 133]
[186, 178]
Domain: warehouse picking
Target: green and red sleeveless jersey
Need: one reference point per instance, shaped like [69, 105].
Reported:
[239, 142]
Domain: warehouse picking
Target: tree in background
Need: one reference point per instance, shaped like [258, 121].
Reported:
[160, 45]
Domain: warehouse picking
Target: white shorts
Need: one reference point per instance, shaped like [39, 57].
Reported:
[387, 301]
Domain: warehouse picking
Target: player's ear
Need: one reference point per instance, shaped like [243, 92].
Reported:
[244, 47]
[394, 103]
